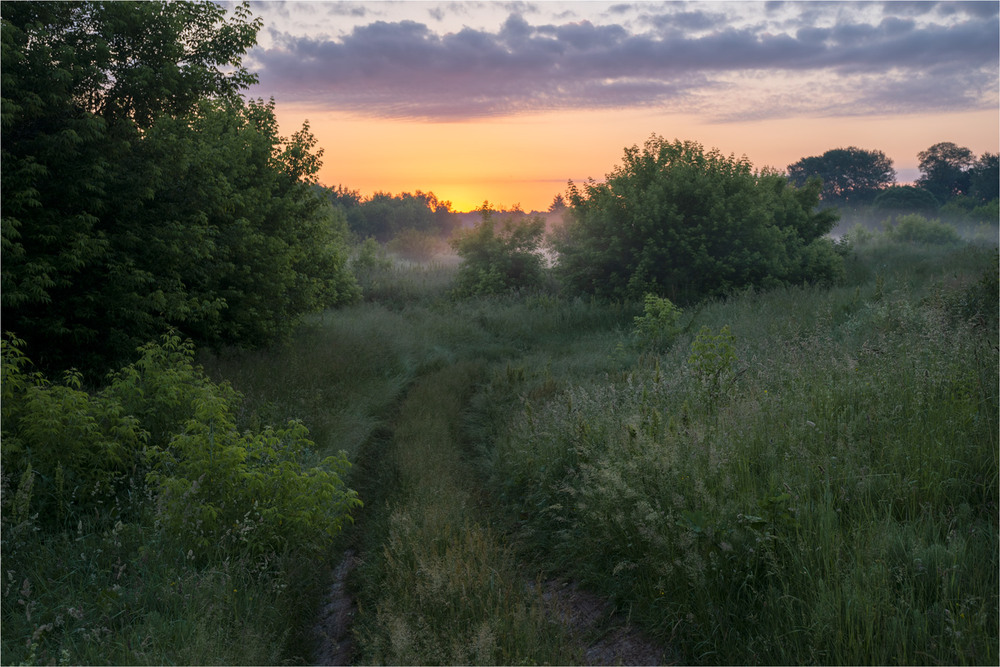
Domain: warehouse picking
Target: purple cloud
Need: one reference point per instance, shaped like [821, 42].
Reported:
[406, 69]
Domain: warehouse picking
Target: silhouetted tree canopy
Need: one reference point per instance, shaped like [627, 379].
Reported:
[680, 222]
[384, 216]
[906, 199]
[984, 178]
[945, 170]
[849, 175]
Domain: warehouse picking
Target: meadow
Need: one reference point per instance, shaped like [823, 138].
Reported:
[799, 475]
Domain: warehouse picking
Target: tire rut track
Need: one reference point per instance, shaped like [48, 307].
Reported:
[429, 456]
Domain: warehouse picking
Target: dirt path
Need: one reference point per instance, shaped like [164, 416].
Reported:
[427, 456]
[334, 641]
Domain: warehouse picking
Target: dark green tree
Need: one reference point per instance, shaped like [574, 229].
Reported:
[500, 257]
[677, 221]
[945, 170]
[906, 199]
[141, 191]
[384, 216]
[849, 175]
[984, 178]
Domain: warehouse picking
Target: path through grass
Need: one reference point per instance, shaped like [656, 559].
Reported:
[439, 586]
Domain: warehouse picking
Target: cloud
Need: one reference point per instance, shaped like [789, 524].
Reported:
[686, 60]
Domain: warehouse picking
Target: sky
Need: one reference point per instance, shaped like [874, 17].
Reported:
[508, 101]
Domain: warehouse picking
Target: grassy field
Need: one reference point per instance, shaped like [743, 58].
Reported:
[818, 486]
[805, 475]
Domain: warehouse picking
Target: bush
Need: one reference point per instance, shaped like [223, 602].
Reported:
[499, 260]
[907, 198]
[918, 229]
[417, 246]
[688, 224]
[217, 489]
[657, 326]
[70, 450]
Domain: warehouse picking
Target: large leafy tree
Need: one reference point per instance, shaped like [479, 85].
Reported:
[849, 175]
[684, 223]
[142, 191]
[945, 169]
[984, 178]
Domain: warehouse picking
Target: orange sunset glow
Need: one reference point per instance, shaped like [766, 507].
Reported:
[480, 102]
[529, 160]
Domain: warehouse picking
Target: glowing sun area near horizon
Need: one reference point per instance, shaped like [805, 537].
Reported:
[527, 160]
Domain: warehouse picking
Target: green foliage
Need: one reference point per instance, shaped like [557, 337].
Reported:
[712, 359]
[966, 208]
[217, 489]
[906, 198]
[368, 262]
[416, 246]
[836, 504]
[688, 224]
[77, 447]
[657, 326]
[945, 169]
[384, 216]
[858, 234]
[171, 534]
[849, 175]
[918, 229]
[984, 185]
[141, 191]
[499, 259]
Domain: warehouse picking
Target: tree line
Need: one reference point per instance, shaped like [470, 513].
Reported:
[949, 173]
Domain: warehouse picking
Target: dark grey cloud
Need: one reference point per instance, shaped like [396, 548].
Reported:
[974, 8]
[686, 55]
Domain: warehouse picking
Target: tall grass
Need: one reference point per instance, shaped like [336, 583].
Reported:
[442, 587]
[388, 382]
[832, 499]
[828, 493]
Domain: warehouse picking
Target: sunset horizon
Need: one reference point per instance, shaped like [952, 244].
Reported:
[507, 102]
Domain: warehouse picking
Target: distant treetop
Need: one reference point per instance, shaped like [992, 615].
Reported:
[849, 175]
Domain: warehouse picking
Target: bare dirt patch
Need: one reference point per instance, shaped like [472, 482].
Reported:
[335, 643]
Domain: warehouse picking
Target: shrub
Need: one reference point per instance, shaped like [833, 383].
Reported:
[216, 488]
[417, 246]
[906, 198]
[657, 326]
[712, 359]
[859, 235]
[219, 489]
[676, 220]
[500, 259]
[918, 229]
[71, 449]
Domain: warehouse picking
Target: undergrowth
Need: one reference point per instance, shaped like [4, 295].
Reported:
[800, 475]
[815, 483]
[141, 526]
